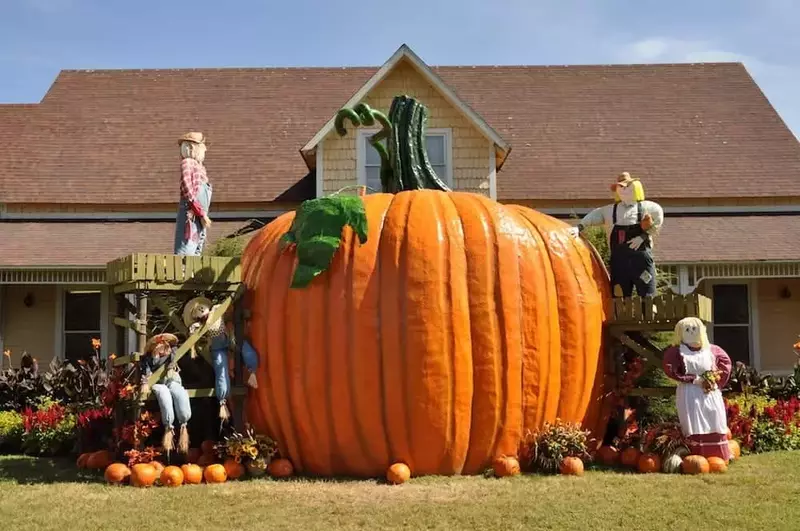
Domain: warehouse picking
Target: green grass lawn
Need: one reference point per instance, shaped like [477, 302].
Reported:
[759, 492]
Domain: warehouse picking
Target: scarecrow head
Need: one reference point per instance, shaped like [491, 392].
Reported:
[627, 189]
[193, 146]
[691, 332]
[160, 345]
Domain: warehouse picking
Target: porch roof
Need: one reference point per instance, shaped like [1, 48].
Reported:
[73, 244]
[693, 239]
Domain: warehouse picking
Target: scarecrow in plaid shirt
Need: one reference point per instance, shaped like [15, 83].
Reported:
[193, 220]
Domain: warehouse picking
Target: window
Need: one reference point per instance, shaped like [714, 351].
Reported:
[731, 327]
[439, 154]
[81, 323]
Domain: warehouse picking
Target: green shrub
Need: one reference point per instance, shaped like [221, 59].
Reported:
[49, 430]
[11, 429]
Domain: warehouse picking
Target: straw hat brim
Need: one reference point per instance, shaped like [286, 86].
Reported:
[172, 339]
[190, 307]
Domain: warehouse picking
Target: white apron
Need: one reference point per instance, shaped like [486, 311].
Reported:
[700, 413]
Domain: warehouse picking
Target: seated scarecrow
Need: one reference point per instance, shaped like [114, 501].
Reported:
[172, 398]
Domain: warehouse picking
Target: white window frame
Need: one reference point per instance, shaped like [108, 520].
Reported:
[361, 153]
[60, 339]
[752, 310]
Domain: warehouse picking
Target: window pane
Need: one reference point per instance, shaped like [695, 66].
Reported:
[735, 340]
[441, 171]
[730, 304]
[82, 311]
[374, 180]
[435, 145]
[79, 345]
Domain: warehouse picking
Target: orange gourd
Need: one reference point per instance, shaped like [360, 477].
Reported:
[99, 460]
[280, 468]
[649, 464]
[215, 474]
[398, 474]
[172, 476]
[717, 465]
[460, 324]
[233, 469]
[143, 475]
[505, 466]
[736, 450]
[117, 473]
[83, 460]
[571, 466]
[159, 467]
[695, 464]
[607, 455]
[192, 474]
[630, 457]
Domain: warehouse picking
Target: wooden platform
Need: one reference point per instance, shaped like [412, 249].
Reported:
[660, 313]
[144, 271]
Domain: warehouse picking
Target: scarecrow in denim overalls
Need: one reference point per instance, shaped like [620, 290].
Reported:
[195, 315]
[173, 400]
[193, 221]
[630, 222]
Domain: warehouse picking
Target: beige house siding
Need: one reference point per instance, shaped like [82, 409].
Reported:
[30, 329]
[470, 149]
[779, 322]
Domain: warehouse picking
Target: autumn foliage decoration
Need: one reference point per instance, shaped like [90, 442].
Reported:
[444, 326]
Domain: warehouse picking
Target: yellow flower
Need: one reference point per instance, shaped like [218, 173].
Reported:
[95, 343]
[7, 353]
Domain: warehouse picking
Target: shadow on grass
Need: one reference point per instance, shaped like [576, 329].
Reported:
[42, 470]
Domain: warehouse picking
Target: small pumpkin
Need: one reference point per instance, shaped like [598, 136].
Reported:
[143, 475]
[630, 457]
[99, 460]
[607, 455]
[117, 473]
[193, 455]
[206, 460]
[158, 466]
[208, 446]
[192, 474]
[83, 459]
[695, 464]
[215, 474]
[649, 463]
[505, 466]
[571, 466]
[717, 465]
[281, 468]
[672, 464]
[172, 476]
[233, 469]
[398, 474]
[736, 450]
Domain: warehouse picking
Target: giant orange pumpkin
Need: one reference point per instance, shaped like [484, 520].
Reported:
[457, 326]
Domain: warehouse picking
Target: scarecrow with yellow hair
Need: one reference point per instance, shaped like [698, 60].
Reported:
[701, 370]
[630, 223]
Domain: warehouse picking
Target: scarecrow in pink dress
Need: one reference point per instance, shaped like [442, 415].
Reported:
[193, 221]
[702, 370]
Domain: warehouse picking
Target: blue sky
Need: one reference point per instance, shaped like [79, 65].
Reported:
[40, 37]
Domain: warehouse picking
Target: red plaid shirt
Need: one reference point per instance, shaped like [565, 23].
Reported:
[192, 175]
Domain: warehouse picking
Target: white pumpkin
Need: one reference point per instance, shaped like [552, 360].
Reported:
[672, 464]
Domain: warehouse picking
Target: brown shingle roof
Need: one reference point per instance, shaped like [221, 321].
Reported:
[728, 238]
[89, 244]
[704, 130]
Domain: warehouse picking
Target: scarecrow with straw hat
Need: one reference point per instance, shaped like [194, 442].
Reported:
[630, 223]
[173, 400]
[195, 315]
[195, 189]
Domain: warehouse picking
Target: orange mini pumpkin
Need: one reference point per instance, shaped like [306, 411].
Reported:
[398, 474]
[280, 468]
[736, 450]
[83, 459]
[117, 473]
[505, 466]
[607, 455]
[99, 460]
[192, 474]
[571, 466]
[695, 464]
[143, 475]
[717, 465]
[649, 464]
[630, 457]
[172, 476]
[215, 474]
[233, 469]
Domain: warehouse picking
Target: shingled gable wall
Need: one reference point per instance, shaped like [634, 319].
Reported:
[470, 149]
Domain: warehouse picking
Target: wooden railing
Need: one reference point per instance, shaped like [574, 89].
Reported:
[172, 272]
[663, 310]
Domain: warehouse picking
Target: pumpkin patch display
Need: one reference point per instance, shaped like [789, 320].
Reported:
[672, 464]
[83, 459]
[143, 475]
[571, 466]
[420, 325]
[192, 474]
[117, 473]
[505, 466]
[398, 474]
[695, 464]
[649, 463]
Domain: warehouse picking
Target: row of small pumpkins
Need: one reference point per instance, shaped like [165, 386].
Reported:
[679, 461]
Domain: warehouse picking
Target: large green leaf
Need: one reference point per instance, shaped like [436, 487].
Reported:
[316, 233]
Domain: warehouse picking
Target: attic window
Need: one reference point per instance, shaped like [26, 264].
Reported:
[440, 154]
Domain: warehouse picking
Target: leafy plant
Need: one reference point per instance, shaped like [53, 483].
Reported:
[544, 449]
[48, 430]
[11, 429]
[20, 387]
[663, 439]
[747, 380]
[83, 383]
[146, 455]
[95, 429]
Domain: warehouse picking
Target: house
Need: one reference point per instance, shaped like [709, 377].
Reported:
[90, 174]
